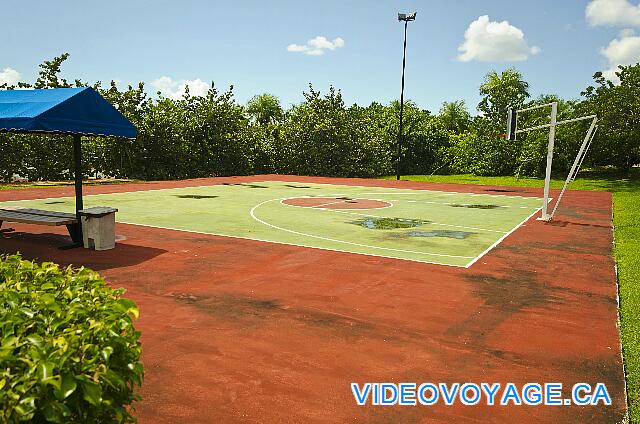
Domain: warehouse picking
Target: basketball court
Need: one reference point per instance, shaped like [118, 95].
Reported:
[439, 227]
[262, 298]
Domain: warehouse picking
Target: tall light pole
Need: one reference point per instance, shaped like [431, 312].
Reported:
[406, 17]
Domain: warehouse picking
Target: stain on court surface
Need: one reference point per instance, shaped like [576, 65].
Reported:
[389, 223]
[458, 235]
[295, 186]
[246, 185]
[194, 196]
[475, 206]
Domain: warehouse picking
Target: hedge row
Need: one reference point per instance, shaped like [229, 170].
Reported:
[212, 135]
[68, 349]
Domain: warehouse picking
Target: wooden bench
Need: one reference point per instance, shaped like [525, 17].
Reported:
[42, 217]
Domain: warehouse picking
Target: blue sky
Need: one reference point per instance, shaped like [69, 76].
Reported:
[558, 45]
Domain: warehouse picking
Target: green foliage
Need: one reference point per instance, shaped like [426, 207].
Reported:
[48, 77]
[532, 146]
[264, 109]
[68, 348]
[501, 92]
[617, 141]
[455, 116]
[212, 135]
[481, 155]
[322, 137]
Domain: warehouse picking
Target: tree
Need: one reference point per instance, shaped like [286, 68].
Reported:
[264, 109]
[617, 141]
[48, 76]
[455, 116]
[501, 92]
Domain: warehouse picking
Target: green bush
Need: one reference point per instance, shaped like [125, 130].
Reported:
[68, 348]
[322, 137]
[476, 154]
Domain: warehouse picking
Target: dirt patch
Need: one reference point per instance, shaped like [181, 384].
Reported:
[503, 297]
[236, 307]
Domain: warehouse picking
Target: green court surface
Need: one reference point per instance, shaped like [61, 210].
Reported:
[420, 225]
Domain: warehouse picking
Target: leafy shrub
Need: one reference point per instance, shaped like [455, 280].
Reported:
[481, 155]
[322, 137]
[68, 348]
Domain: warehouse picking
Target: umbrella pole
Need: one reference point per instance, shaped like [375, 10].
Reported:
[75, 230]
[77, 156]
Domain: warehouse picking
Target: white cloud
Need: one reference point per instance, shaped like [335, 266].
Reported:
[175, 89]
[488, 41]
[624, 50]
[613, 13]
[316, 46]
[9, 76]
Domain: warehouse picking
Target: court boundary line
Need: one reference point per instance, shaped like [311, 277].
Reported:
[501, 239]
[314, 247]
[288, 244]
[279, 181]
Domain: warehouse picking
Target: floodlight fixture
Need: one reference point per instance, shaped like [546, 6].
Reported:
[407, 16]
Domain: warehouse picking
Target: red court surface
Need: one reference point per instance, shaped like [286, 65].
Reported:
[251, 332]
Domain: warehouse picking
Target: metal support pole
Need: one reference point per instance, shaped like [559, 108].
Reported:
[401, 133]
[547, 180]
[577, 160]
[593, 134]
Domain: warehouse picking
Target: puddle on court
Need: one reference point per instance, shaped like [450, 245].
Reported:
[55, 203]
[295, 186]
[458, 235]
[194, 196]
[474, 206]
[503, 190]
[389, 223]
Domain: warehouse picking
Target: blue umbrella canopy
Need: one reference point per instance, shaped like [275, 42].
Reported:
[79, 111]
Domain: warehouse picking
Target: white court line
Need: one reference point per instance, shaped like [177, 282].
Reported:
[252, 213]
[414, 190]
[375, 255]
[502, 238]
[278, 181]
